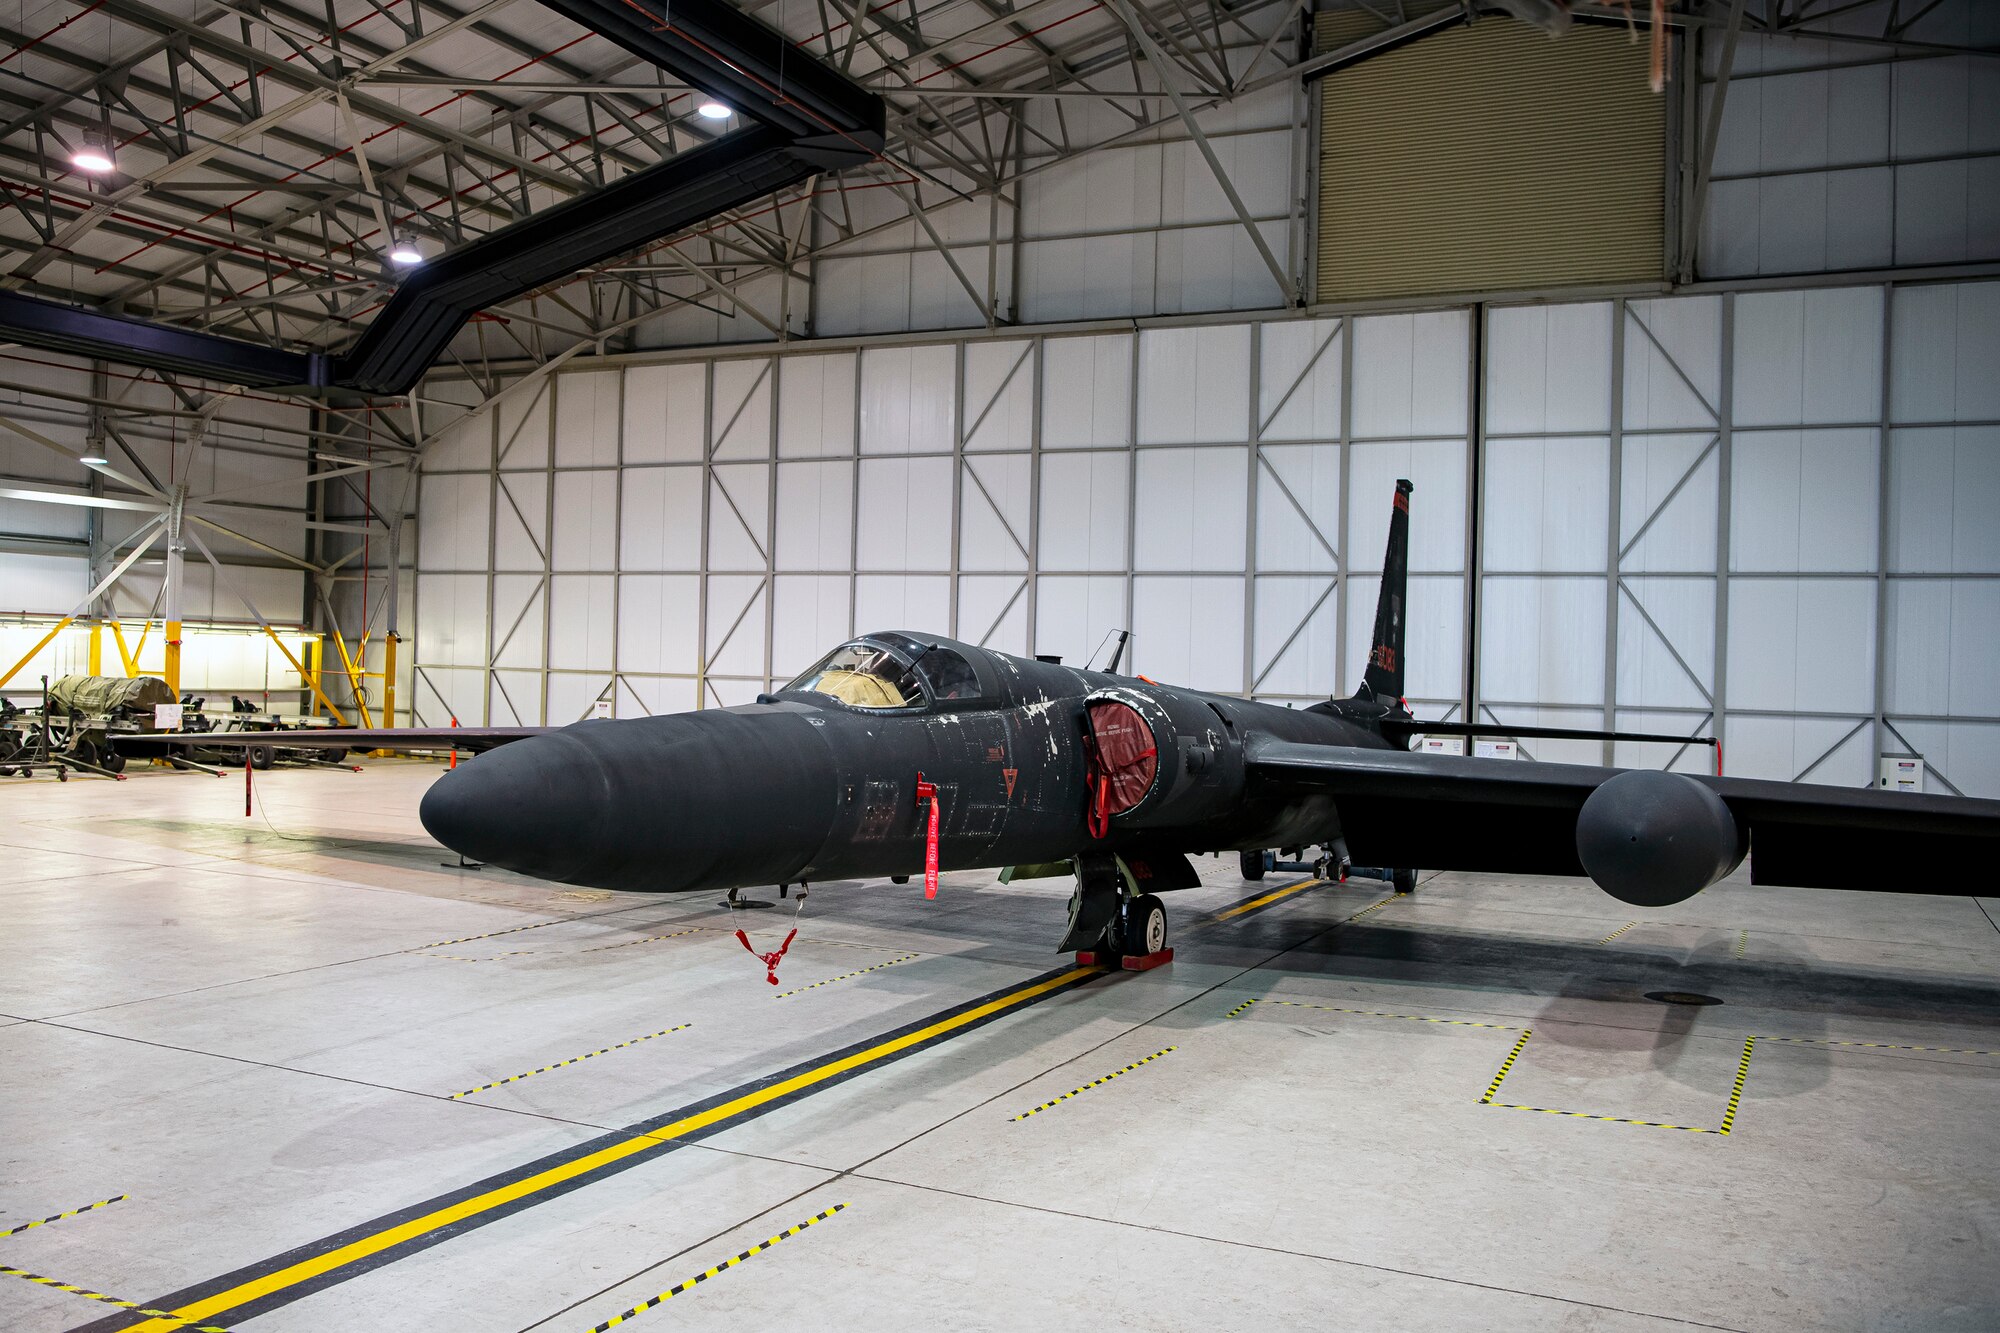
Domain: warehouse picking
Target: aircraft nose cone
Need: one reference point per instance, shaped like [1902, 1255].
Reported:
[535, 807]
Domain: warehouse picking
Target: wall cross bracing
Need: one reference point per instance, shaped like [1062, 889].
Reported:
[1766, 511]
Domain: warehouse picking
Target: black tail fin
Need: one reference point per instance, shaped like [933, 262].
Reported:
[1384, 678]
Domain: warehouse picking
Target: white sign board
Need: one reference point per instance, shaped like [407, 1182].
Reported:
[602, 708]
[1444, 745]
[1496, 750]
[167, 717]
[1902, 774]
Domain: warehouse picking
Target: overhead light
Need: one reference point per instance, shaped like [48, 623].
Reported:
[710, 109]
[405, 251]
[93, 459]
[93, 153]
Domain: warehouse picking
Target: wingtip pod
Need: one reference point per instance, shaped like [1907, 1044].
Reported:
[1653, 839]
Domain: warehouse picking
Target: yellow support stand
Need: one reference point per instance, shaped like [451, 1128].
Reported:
[389, 679]
[354, 677]
[311, 677]
[315, 653]
[173, 671]
[96, 661]
[125, 654]
[60, 626]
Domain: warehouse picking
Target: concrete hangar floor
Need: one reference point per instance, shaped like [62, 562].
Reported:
[332, 1083]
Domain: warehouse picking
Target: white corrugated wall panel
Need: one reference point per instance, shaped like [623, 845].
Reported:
[1669, 497]
[582, 621]
[999, 395]
[904, 514]
[1410, 374]
[1296, 633]
[1298, 507]
[739, 510]
[1945, 495]
[1809, 358]
[1804, 500]
[1073, 616]
[1191, 508]
[816, 405]
[1673, 363]
[1802, 645]
[1084, 509]
[660, 518]
[993, 612]
[1175, 631]
[994, 503]
[1548, 369]
[454, 520]
[1194, 385]
[811, 615]
[735, 624]
[1666, 643]
[908, 396]
[815, 528]
[521, 521]
[1086, 391]
[740, 413]
[659, 623]
[920, 603]
[666, 413]
[1546, 503]
[1946, 343]
[1542, 640]
[1299, 366]
[587, 418]
[586, 535]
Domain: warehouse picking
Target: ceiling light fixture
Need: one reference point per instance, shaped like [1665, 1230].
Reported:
[95, 458]
[405, 251]
[710, 109]
[93, 154]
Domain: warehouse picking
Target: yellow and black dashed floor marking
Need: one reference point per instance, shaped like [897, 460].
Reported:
[44, 1221]
[88, 1294]
[1742, 940]
[1728, 1116]
[1096, 1082]
[1506, 1066]
[277, 1281]
[1878, 1045]
[626, 944]
[1372, 907]
[574, 1059]
[848, 976]
[722, 1267]
[1616, 933]
[1265, 900]
[492, 934]
[492, 958]
[1371, 1013]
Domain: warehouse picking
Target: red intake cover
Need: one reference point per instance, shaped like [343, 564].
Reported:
[1127, 754]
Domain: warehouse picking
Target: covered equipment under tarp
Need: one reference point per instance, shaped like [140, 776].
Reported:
[101, 696]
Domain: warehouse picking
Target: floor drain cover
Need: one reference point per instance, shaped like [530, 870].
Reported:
[1680, 997]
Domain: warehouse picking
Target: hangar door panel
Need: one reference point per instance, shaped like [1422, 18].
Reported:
[1487, 157]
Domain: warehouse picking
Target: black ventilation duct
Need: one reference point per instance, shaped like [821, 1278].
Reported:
[810, 119]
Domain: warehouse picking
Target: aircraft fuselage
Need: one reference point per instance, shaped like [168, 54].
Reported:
[806, 787]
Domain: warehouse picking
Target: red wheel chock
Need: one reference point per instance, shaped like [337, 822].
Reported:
[1144, 962]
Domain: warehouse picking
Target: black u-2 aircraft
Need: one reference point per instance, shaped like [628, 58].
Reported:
[900, 753]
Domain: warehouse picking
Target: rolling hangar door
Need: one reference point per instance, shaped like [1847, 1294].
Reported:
[1759, 506]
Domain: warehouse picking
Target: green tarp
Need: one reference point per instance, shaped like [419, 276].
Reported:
[94, 696]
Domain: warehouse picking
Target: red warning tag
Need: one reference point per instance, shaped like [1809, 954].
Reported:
[772, 959]
[927, 791]
[1010, 774]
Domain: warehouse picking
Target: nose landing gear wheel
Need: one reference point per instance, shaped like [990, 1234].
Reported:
[1252, 864]
[1142, 926]
[1405, 881]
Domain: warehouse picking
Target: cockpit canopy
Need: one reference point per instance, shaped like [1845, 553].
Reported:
[892, 672]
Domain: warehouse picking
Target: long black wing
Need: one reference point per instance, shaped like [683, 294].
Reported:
[472, 740]
[1442, 812]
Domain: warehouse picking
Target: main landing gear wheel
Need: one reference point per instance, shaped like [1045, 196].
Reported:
[1405, 881]
[1252, 864]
